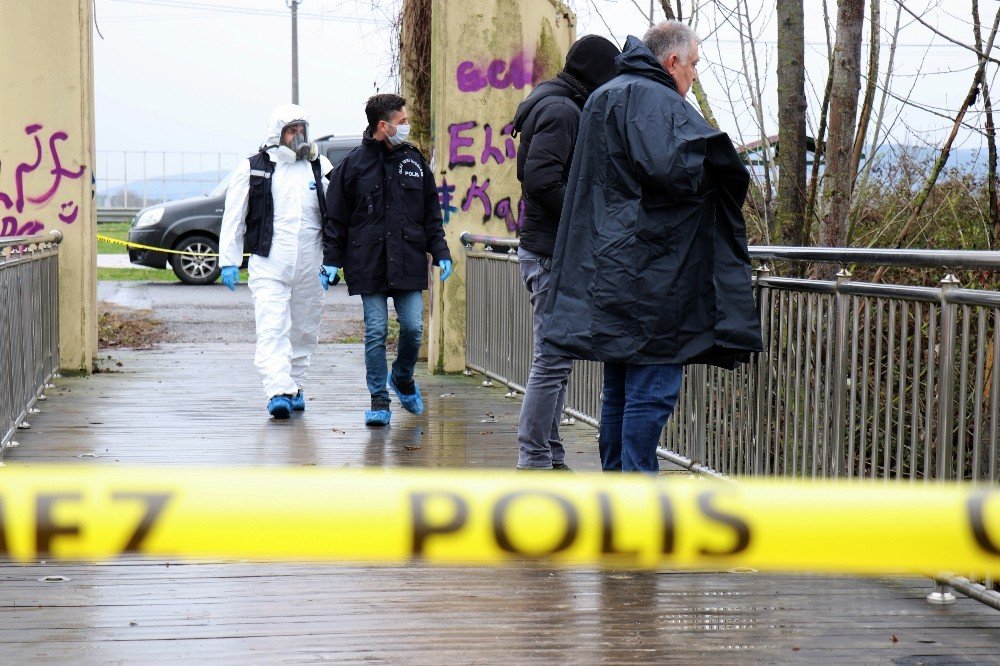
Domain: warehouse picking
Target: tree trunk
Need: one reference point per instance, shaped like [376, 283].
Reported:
[991, 139]
[415, 69]
[820, 139]
[870, 89]
[877, 135]
[838, 181]
[791, 211]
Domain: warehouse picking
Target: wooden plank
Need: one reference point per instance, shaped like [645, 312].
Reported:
[201, 405]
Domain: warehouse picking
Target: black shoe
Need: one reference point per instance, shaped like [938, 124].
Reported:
[404, 388]
[562, 467]
[532, 469]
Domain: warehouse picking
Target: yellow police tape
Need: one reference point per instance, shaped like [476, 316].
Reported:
[62, 512]
[140, 246]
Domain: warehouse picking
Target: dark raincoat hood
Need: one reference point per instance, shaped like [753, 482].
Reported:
[651, 262]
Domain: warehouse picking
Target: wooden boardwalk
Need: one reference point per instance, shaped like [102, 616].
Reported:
[185, 404]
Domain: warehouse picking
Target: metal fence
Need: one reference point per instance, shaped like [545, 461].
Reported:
[29, 328]
[856, 380]
[140, 178]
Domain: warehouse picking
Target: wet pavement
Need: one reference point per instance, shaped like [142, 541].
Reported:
[200, 403]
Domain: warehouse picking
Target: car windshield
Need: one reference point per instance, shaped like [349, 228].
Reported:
[223, 185]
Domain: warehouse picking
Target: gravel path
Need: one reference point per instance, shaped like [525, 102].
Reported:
[212, 313]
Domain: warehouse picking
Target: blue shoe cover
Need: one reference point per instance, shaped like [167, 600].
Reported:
[412, 403]
[299, 401]
[280, 406]
[377, 417]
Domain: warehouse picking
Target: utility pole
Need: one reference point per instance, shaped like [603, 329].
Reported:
[294, 6]
[650, 13]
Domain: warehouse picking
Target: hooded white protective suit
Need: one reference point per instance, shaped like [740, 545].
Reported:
[287, 296]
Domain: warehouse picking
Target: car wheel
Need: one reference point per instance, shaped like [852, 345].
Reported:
[193, 268]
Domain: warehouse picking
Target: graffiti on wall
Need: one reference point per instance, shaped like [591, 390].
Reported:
[476, 147]
[518, 71]
[30, 191]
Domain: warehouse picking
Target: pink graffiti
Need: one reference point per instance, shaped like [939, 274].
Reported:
[520, 71]
[68, 212]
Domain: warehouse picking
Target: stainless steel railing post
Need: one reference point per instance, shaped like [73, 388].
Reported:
[946, 380]
[841, 302]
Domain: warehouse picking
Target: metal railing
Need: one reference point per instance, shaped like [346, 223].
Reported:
[857, 379]
[29, 328]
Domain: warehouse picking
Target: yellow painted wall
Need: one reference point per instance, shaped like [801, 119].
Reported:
[486, 56]
[47, 135]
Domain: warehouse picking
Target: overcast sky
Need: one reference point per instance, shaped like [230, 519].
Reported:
[203, 75]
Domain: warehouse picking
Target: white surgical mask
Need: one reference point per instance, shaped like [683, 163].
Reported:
[402, 131]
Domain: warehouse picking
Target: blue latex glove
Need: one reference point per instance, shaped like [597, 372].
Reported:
[445, 265]
[230, 274]
[328, 275]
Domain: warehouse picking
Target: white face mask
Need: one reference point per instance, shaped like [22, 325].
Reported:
[402, 131]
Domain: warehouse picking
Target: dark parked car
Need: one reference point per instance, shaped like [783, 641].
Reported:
[193, 225]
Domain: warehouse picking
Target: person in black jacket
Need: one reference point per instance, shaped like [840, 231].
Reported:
[651, 269]
[382, 219]
[547, 121]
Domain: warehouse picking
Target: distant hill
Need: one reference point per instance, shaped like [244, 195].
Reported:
[158, 190]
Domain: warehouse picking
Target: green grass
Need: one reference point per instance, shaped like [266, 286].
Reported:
[136, 274]
[117, 230]
[158, 275]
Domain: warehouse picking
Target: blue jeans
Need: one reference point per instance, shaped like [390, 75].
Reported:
[409, 307]
[638, 400]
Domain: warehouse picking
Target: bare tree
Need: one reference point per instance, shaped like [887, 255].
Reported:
[791, 209]
[838, 180]
[991, 138]
[861, 188]
[870, 88]
[970, 99]
[819, 140]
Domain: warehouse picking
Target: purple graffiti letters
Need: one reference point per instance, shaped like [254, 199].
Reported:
[520, 71]
[445, 195]
[8, 227]
[477, 191]
[68, 211]
[504, 212]
[456, 142]
[58, 171]
[469, 78]
[25, 168]
[491, 151]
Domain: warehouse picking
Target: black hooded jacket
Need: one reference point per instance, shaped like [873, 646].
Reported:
[547, 120]
[382, 218]
[651, 262]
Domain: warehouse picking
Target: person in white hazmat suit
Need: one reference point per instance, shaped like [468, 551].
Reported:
[273, 211]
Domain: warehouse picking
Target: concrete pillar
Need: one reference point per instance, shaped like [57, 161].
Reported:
[47, 152]
[486, 57]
